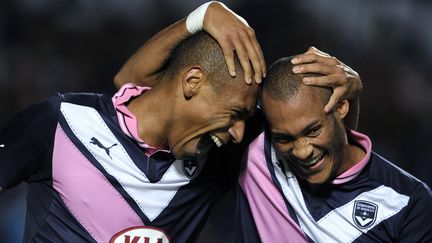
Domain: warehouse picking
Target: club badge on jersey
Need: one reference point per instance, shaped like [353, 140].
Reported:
[364, 213]
[190, 168]
[138, 234]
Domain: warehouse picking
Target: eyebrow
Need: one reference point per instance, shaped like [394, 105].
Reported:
[310, 126]
[303, 132]
[282, 136]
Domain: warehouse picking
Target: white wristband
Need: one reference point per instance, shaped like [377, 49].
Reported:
[195, 20]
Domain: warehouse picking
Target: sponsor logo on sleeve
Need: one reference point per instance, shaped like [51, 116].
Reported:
[140, 234]
[364, 213]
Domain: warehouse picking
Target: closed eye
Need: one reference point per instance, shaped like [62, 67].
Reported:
[314, 131]
[241, 114]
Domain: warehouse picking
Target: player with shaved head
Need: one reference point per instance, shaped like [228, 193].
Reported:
[310, 178]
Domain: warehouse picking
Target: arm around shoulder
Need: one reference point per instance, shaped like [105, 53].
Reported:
[230, 30]
[138, 69]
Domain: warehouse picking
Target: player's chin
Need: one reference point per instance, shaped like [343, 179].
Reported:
[197, 147]
[181, 153]
[187, 151]
[205, 144]
[319, 177]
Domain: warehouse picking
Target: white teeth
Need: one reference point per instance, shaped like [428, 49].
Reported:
[313, 161]
[216, 140]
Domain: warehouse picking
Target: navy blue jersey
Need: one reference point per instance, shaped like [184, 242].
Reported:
[88, 181]
[381, 203]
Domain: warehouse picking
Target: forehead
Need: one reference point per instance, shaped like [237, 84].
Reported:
[241, 95]
[295, 114]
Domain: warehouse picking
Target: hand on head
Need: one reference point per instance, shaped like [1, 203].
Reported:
[236, 37]
[346, 83]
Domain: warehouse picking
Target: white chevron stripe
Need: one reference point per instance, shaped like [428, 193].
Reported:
[152, 198]
[337, 225]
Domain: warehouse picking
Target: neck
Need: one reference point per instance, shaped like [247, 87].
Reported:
[152, 110]
[353, 155]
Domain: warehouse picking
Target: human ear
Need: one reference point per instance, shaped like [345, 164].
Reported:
[342, 108]
[192, 80]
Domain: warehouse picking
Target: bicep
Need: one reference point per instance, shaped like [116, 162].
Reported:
[143, 66]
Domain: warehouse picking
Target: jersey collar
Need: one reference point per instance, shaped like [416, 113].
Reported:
[127, 120]
[366, 144]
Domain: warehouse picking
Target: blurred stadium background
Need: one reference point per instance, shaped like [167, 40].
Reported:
[49, 46]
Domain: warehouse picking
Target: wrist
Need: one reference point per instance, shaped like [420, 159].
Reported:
[195, 20]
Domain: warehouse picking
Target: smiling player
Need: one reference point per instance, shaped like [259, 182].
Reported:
[309, 178]
[100, 167]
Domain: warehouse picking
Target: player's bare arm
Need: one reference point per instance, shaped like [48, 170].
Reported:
[346, 82]
[230, 30]
[139, 69]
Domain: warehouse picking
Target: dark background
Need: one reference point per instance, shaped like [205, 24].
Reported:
[78, 45]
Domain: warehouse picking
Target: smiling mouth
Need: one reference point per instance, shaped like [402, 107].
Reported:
[312, 162]
[216, 140]
[207, 142]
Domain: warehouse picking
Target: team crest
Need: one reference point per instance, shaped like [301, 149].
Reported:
[190, 168]
[364, 213]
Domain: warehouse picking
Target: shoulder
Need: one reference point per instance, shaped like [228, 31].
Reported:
[35, 117]
[94, 100]
[78, 102]
[388, 174]
[46, 106]
[254, 159]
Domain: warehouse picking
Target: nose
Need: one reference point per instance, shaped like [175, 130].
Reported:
[302, 149]
[236, 131]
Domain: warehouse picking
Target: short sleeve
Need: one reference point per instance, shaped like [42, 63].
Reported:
[26, 143]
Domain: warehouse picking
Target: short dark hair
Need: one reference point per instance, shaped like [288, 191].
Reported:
[204, 50]
[283, 84]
